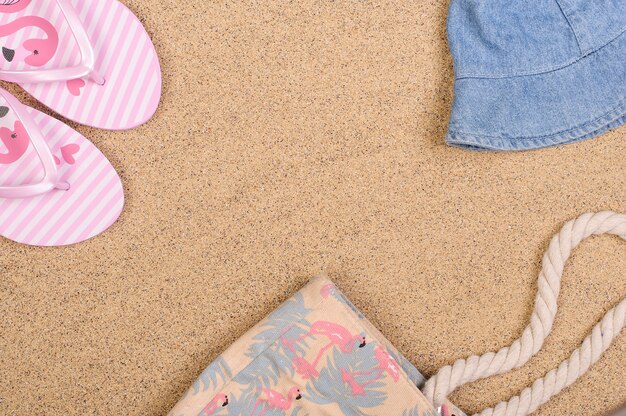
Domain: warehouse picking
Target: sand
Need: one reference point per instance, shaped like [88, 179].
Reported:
[296, 137]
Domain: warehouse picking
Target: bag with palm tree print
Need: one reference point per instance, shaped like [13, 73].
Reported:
[315, 355]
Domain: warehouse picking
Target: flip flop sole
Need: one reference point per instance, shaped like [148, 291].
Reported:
[125, 56]
[92, 204]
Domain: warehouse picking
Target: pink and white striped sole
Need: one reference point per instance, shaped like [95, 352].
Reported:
[92, 204]
[125, 56]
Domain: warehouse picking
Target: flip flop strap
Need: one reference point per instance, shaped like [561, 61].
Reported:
[88, 58]
[50, 178]
[449, 378]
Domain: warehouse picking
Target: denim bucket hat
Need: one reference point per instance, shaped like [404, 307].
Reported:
[536, 73]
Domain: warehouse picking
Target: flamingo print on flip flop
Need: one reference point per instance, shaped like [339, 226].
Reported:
[219, 401]
[386, 364]
[275, 400]
[74, 86]
[41, 50]
[338, 336]
[67, 153]
[13, 6]
[16, 142]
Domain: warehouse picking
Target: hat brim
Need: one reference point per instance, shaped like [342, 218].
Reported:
[572, 103]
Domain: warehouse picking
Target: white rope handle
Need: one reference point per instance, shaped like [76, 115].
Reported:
[449, 378]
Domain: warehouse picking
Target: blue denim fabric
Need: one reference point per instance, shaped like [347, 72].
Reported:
[536, 73]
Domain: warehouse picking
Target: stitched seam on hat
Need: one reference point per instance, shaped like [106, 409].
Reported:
[544, 70]
[615, 110]
[569, 22]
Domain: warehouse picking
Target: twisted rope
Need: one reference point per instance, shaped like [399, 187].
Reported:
[449, 378]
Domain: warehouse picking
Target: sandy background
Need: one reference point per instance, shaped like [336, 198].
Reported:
[295, 137]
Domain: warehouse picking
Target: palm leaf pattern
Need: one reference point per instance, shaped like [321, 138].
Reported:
[245, 404]
[279, 322]
[349, 383]
[218, 369]
[273, 359]
[417, 412]
[415, 376]
[329, 387]
[266, 370]
[296, 412]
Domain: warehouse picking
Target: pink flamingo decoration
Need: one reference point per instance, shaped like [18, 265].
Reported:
[275, 400]
[16, 142]
[304, 368]
[67, 153]
[386, 364]
[338, 336]
[221, 400]
[327, 290]
[13, 6]
[357, 389]
[42, 50]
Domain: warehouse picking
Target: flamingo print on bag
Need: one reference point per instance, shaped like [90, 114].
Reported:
[304, 368]
[357, 389]
[327, 290]
[41, 50]
[275, 400]
[219, 401]
[16, 142]
[386, 364]
[338, 336]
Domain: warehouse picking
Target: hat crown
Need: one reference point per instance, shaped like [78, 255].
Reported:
[499, 38]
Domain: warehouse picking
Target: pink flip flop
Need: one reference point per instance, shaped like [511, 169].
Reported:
[91, 61]
[56, 188]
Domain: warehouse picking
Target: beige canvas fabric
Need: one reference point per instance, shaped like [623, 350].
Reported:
[315, 355]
